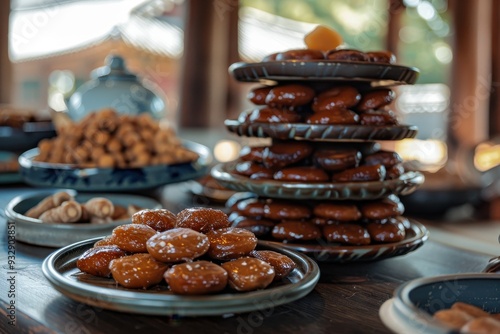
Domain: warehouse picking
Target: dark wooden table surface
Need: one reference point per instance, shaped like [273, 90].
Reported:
[346, 299]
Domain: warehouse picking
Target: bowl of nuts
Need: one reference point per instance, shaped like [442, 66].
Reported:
[107, 151]
[463, 303]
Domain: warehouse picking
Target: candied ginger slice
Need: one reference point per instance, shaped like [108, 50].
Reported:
[323, 38]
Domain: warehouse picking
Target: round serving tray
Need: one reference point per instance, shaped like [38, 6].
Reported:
[60, 270]
[25, 138]
[112, 179]
[33, 231]
[376, 75]
[404, 185]
[321, 131]
[416, 235]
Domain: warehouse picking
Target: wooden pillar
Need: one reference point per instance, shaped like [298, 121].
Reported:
[203, 101]
[5, 64]
[471, 72]
[396, 8]
[494, 129]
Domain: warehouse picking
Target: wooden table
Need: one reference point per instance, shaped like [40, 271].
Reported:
[346, 299]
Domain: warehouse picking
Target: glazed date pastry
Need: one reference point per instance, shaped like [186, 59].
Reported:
[288, 96]
[361, 174]
[347, 55]
[158, 219]
[381, 157]
[252, 153]
[339, 96]
[259, 227]
[202, 219]
[137, 271]
[273, 115]
[278, 210]
[299, 54]
[389, 231]
[258, 95]
[375, 99]
[132, 237]
[230, 243]
[281, 263]
[336, 160]
[296, 230]
[250, 168]
[378, 118]
[178, 244]
[338, 116]
[248, 274]
[381, 209]
[347, 233]
[384, 57]
[454, 319]
[337, 211]
[282, 154]
[250, 207]
[196, 278]
[95, 261]
[301, 174]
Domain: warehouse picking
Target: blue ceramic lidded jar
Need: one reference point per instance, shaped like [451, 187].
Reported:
[113, 86]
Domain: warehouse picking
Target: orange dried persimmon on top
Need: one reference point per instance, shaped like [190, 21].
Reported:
[323, 38]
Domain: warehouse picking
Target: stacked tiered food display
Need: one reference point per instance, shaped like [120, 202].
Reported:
[323, 185]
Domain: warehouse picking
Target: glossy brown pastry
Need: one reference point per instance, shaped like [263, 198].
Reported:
[299, 54]
[249, 168]
[381, 209]
[252, 153]
[384, 57]
[250, 207]
[281, 263]
[278, 210]
[361, 174]
[158, 219]
[301, 174]
[178, 244]
[258, 95]
[336, 160]
[248, 274]
[347, 233]
[389, 231]
[378, 118]
[230, 243]
[375, 99]
[273, 115]
[259, 227]
[395, 171]
[137, 271]
[202, 219]
[132, 237]
[296, 230]
[347, 55]
[292, 95]
[95, 261]
[338, 96]
[337, 211]
[338, 116]
[381, 157]
[196, 278]
[281, 154]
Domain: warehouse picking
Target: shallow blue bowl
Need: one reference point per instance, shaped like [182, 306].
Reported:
[112, 179]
